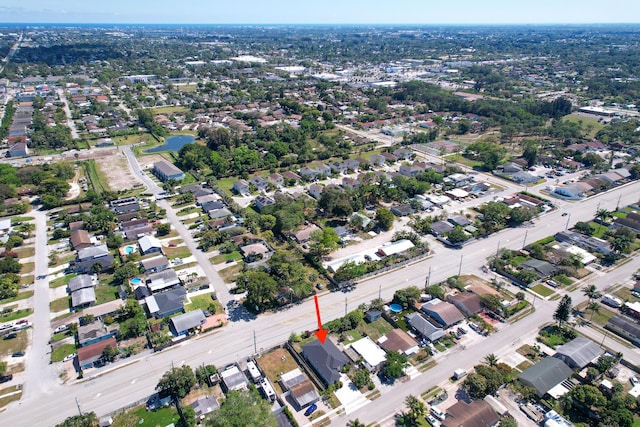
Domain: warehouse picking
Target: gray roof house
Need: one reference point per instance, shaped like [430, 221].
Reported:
[80, 282]
[441, 227]
[234, 379]
[204, 406]
[625, 328]
[443, 312]
[83, 297]
[541, 268]
[578, 353]
[326, 359]
[421, 325]
[300, 388]
[155, 264]
[545, 375]
[166, 171]
[149, 244]
[162, 280]
[93, 252]
[183, 323]
[166, 303]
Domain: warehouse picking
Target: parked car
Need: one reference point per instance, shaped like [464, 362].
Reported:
[5, 378]
[433, 421]
[60, 328]
[69, 357]
[310, 409]
[552, 283]
[634, 381]
[18, 354]
[10, 336]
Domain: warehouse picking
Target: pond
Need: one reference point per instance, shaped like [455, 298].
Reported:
[173, 143]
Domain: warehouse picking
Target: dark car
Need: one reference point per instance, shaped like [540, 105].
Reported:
[10, 336]
[310, 409]
[18, 354]
[5, 378]
[214, 296]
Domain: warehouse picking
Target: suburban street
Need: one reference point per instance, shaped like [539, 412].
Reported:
[70, 123]
[117, 385]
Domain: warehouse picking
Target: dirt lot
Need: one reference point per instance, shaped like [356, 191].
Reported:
[147, 161]
[276, 363]
[115, 168]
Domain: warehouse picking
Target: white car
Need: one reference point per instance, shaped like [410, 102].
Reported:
[432, 420]
[69, 357]
[634, 381]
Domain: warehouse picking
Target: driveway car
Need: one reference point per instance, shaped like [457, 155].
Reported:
[310, 409]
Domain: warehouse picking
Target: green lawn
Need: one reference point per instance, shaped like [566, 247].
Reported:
[586, 121]
[351, 336]
[60, 304]
[21, 295]
[105, 293]
[169, 110]
[229, 274]
[15, 315]
[542, 290]
[518, 260]
[18, 343]
[139, 416]
[61, 281]
[226, 184]
[61, 352]
[26, 252]
[375, 329]
[219, 259]
[177, 252]
[28, 267]
[188, 210]
[203, 302]
[26, 280]
[601, 317]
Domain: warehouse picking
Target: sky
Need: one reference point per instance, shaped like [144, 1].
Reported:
[320, 11]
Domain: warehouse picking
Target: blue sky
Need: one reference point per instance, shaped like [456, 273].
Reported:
[321, 11]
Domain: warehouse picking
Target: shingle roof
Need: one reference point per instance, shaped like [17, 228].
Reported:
[424, 327]
[189, 320]
[578, 353]
[83, 296]
[79, 282]
[326, 358]
[443, 311]
[546, 374]
[478, 413]
[397, 340]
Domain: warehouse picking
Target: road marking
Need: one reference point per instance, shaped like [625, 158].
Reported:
[181, 363]
[98, 395]
[133, 381]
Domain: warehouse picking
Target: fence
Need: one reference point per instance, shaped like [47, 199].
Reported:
[303, 363]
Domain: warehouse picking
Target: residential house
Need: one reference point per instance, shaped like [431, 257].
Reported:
[94, 332]
[204, 406]
[446, 314]
[569, 192]
[234, 379]
[91, 355]
[83, 297]
[155, 264]
[377, 160]
[133, 224]
[263, 201]
[394, 248]
[352, 164]
[363, 219]
[183, 323]
[241, 187]
[424, 327]
[545, 375]
[459, 220]
[212, 205]
[400, 341]
[323, 170]
[303, 235]
[220, 213]
[255, 252]
[404, 209]
[326, 359]
[18, 149]
[467, 302]
[166, 171]
[315, 190]
[338, 167]
[162, 280]
[589, 243]
[260, 183]
[403, 153]
[93, 252]
[440, 228]
[476, 413]
[80, 239]
[149, 245]
[308, 173]
[276, 179]
[206, 198]
[291, 176]
[412, 170]
[350, 183]
[79, 282]
[92, 265]
[389, 158]
[579, 352]
[165, 304]
[300, 388]
[541, 268]
[624, 327]
[373, 357]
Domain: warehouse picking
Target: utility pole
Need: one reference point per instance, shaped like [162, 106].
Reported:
[345, 306]
[568, 219]
[255, 347]
[78, 405]
[380, 292]
[524, 242]
[460, 268]
[498, 249]
[428, 277]
[618, 204]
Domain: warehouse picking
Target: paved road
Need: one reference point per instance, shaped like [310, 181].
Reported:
[70, 123]
[39, 376]
[127, 383]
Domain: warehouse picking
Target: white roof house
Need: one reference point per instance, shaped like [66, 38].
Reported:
[395, 247]
[148, 243]
[372, 355]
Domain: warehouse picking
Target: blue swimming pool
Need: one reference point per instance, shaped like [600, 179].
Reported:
[396, 308]
[129, 249]
[136, 281]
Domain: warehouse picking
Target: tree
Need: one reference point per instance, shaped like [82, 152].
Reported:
[457, 235]
[395, 364]
[407, 296]
[622, 240]
[475, 385]
[177, 382]
[508, 421]
[242, 409]
[562, 313]
[594, 307]
[530, 152]
[361, 378]
[591, 292]
[325, 241]
[491, 359]
[88, 419]
[416, 407]
[384, 218]
[109, 353]
[355, 423]
[435, 291]
[204, 372]
[260, 286]
[164, 229]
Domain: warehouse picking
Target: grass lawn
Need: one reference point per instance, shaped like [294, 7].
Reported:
[18, 343]
[524, 365]
[598, 229]
[177, 252]
[131, 139]
[15, 315]
[170, 109]
[25, 252]
[187, 210]
[541, 290]
[601, 317]
[21, 295]
[275, 363]
[60, 304]
[463, 160]
[586, 121]
[28, 267]
[139, 416]
[58, 354]
[226, 184]
[518, 260]
[351, 336]
[375, 329]
[229, 274]
[4, 401]
[61, 281]
[26, 280]
[106, 293]
[97, 180]
[219, 259]
[202, 302]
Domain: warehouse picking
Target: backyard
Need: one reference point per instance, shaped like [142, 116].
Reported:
[276, 363]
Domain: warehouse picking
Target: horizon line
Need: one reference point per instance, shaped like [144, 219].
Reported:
[327, 23]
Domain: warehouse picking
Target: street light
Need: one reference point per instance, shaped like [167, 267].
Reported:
[568, 219]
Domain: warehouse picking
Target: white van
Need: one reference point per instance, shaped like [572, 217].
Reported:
[437, 413]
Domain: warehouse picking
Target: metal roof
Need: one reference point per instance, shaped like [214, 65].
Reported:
[578, 353]
[544, 375]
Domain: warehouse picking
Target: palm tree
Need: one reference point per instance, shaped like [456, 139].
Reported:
[416, 407]
[603, 215]
[491, 359]
[355, 423]
[594, 307]
[591, 292]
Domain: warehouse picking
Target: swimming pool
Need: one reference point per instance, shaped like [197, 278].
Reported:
[129, 249]
[136, 281]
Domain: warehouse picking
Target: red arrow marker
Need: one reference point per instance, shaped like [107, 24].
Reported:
[320, 333]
